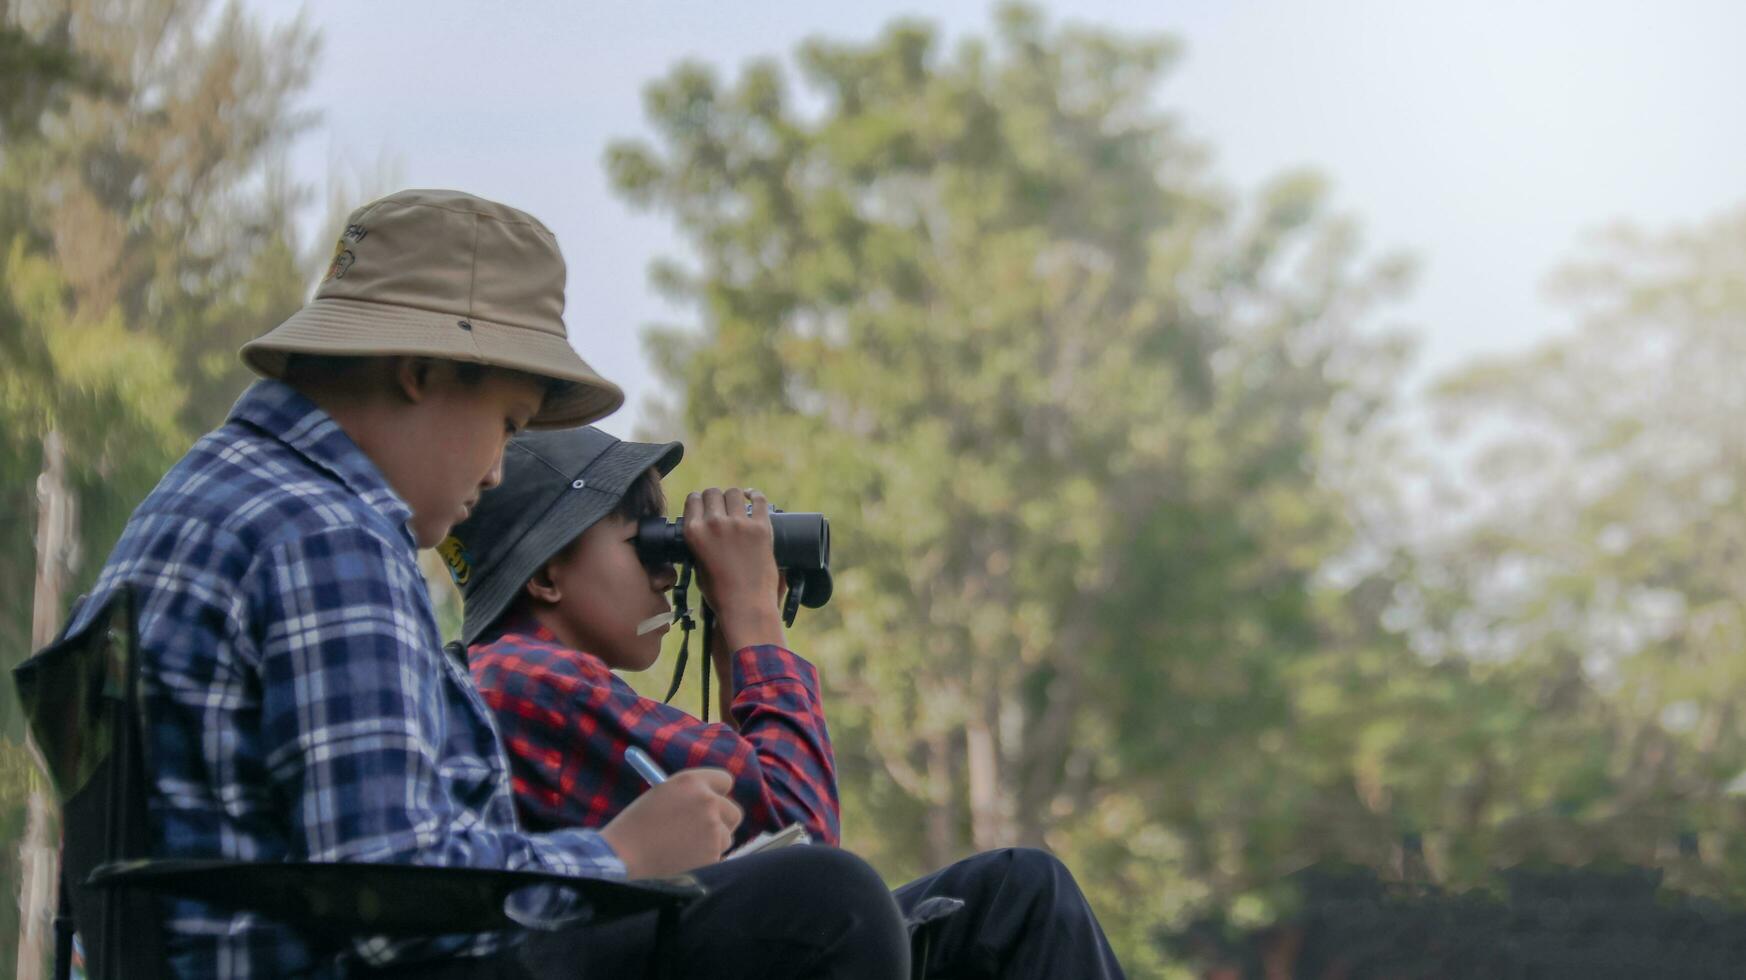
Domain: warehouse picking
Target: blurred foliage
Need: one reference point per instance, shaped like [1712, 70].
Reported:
[1076, 412]
[1139, 556]
[145, 230]
[1592, 558]
[1135, 560]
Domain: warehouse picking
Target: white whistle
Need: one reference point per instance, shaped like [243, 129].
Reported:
[654, 623]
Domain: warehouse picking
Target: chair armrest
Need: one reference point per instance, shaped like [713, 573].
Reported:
[382, 899]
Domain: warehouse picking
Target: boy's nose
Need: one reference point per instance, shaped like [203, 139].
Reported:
[664, 576]
[494, 475]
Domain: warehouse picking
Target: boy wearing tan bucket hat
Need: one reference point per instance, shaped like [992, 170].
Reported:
[299, 704]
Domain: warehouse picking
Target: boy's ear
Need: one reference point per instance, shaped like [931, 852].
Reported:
[542, 587]
[412, 377]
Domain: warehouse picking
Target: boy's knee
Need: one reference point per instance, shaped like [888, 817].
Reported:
[1034, 863]
[1026, 869]
[1028, 875]
[828, 881]
[837, 875]
[1036, 867]
[876, 942]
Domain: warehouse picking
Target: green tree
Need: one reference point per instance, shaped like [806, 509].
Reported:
[1071, 406]
[1601, 560]
[37, 74]
[144, 231]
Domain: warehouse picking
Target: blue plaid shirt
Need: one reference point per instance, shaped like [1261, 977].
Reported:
[300, 704]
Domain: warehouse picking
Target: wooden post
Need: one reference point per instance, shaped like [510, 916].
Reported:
[56, 546]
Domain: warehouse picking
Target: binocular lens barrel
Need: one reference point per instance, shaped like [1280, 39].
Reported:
[803, 541]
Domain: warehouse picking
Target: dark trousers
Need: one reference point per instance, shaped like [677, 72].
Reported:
[1023, 916]
[822, 912]
[800, 912]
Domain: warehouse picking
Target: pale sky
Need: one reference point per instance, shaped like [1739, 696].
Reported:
[1484, 138]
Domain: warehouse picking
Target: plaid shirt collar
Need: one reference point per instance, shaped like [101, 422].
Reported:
[281, 411]
[521, 624]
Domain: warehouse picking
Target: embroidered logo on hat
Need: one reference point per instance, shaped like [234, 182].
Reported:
[343, 257]
[455, 556]
[342, 260]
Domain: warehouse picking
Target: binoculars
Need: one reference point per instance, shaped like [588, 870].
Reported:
[802, 545]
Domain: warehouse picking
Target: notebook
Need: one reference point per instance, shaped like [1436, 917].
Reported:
[792, 834]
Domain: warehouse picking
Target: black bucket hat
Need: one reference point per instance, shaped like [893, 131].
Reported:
[556, 484]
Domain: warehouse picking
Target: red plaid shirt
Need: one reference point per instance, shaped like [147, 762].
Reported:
[566, 719]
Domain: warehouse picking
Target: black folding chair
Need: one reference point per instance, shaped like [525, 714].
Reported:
[81, 699]
[924, 922]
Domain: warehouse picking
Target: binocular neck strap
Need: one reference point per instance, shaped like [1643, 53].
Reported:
[682, 612]
[708, 631]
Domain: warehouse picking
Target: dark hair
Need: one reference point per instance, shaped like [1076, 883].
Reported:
[300, 365]
[645, 498]
[470, 373]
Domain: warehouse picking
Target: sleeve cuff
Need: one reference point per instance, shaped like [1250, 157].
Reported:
[590, 855]
[768, 662]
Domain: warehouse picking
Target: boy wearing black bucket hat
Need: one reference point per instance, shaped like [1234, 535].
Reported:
[299, 704]
[556, 599]
[548, 570]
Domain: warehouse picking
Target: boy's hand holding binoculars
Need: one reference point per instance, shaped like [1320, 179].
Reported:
[736, 568]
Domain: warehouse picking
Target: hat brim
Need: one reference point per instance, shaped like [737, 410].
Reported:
[570, 514]
[358, 328]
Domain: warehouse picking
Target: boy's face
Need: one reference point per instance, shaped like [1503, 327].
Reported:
[604, 591]
[449, 448]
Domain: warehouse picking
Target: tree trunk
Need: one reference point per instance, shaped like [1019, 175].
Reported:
[942, 813]
[56, 541]
[36, 891]
[1046, 743]
[982, 759]
[56, 538]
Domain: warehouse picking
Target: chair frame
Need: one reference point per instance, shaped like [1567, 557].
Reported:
[95, 745]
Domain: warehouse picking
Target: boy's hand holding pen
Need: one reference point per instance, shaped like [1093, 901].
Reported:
[639, 760]
[684, 821]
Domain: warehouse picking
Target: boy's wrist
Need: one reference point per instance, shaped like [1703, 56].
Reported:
[621, 845]
[751, 628]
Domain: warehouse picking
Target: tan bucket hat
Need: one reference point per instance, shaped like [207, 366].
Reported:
[446, 274]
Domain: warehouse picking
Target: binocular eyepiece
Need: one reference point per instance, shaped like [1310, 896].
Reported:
[802, 546]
